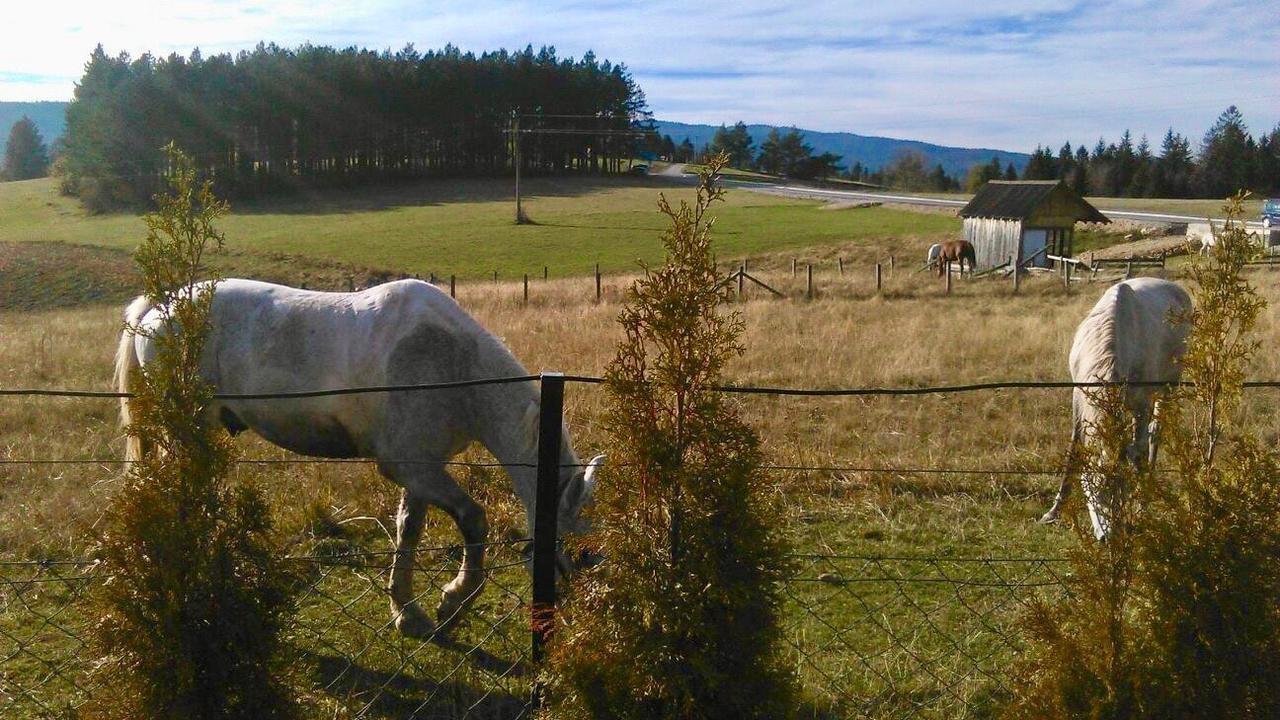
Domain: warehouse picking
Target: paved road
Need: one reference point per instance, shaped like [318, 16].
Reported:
[823, 194]
[676, 171]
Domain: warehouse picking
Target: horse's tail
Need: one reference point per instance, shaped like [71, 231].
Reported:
[126, 366]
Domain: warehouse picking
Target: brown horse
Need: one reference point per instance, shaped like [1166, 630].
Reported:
[956, 251]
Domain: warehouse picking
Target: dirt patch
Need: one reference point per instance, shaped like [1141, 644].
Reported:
[850, 205]
[1152, 247]
[925, 209]
[48, 275]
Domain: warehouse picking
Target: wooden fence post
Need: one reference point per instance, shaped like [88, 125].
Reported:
[433, 279]
[892, 264]
[793, 267]
[546, 273]
[526, 288]
[453, 286]
[808, 288]
[1013, 263]
[546, 510]
[878, 279]
[597, 283]
[495, 277]
[840, 263]
[1066, 275]
[1128, 268]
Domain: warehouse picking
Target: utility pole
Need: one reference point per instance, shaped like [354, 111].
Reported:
[515, 139]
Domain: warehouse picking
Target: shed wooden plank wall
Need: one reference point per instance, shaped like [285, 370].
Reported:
[994, 241]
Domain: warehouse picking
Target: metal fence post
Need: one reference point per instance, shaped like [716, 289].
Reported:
[546, 511]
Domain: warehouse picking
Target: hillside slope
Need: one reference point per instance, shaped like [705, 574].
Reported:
[873, 152]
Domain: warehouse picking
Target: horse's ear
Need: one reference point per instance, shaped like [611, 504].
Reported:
[589, 478]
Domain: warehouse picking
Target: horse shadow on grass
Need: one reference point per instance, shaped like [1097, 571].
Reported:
[428, 192]
[381, 693]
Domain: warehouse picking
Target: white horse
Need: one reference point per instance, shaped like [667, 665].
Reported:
[268, 338]
[1136, 332]
[1203, 233]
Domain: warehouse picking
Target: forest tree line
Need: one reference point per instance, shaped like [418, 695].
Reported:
[1228, 159]
[277, 118]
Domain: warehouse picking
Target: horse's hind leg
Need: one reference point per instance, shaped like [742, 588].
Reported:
[409, 618]
[1064, 488]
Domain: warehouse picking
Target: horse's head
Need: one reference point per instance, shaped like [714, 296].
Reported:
[578, 483]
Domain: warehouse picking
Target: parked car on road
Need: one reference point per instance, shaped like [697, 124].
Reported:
[1271, 213]
[640, 169]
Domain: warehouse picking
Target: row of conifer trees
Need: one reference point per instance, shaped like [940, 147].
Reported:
[277, 118]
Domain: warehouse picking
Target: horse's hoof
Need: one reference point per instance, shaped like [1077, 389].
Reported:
[456, 598]
[412, 622]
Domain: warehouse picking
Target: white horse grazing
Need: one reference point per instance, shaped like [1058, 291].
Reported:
[268, 338]
[1202, 233]
[932, 258]
[1136, 332]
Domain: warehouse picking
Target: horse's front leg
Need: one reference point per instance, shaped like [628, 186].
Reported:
[409, 618]
[463, 589]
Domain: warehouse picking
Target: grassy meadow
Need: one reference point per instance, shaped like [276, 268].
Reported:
[464, 227]
[893, 610]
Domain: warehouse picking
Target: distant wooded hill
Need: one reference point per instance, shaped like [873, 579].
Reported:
[50, 118]
[873, 152]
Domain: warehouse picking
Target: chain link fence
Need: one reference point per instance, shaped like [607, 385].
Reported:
[346, 658]
[875, 636]
[871, 636]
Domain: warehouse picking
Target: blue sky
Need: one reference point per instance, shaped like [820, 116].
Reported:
[1010, 76]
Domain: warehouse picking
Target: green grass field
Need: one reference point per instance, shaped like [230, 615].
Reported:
[465, 227]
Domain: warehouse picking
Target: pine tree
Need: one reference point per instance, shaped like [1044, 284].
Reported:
[735, 142]
[1174, 167]
[682, 620]
[25, 154]
[1226, 156]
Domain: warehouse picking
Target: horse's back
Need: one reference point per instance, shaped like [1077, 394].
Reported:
[1135, 332]
[268, 338]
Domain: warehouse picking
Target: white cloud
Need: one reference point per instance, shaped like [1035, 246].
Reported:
[951, 71]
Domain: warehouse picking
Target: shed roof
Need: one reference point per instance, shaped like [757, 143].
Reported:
[1020, 199]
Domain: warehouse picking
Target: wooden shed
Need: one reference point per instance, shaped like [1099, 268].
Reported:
[1029, 219]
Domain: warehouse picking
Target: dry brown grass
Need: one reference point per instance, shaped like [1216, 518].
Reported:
[911, 335]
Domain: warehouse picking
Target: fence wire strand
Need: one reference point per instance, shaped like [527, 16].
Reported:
[883, 636]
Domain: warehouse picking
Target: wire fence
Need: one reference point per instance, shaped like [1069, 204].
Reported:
[883, 636]
[872, 636]
[345, 653]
